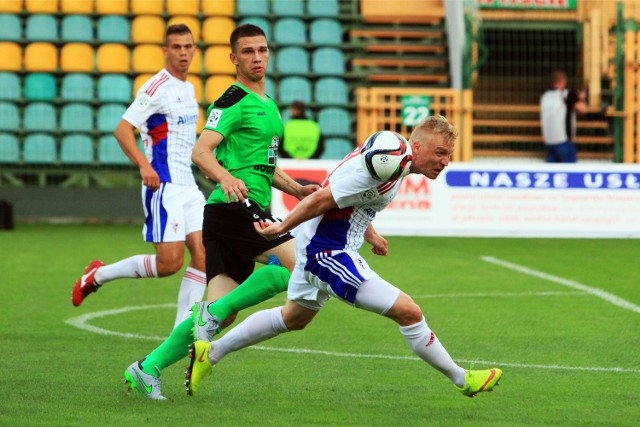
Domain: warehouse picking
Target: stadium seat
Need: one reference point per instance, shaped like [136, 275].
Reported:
[328, 61]
[196, 63]
[77, 87]
[11, 54]
[147, 7]
[218, 7]
[9, 117]
[109, 116]
[215, 86]
[270, 87]
[76, 150]
[39, 148]
[40, 87]
[10, 27]
[252, 7]
[10, 6]
[334, 121]
[260, 22]
[113, 58]
[325, 32]
[9, 148]
[39, 117]
[190, 21]
[294, 89]
[288, 7]
[77, 28]
[40, 56]
[139, 81]
[290, 32]
[110, 153]
[113, 29]
[196, 81]
[292, 60]
[76, 117]
[112, 7]
[324, 8]
[217, 29]
[331, 91]
[336, 148]
[41, 28]
[10, 87]
[76, 57]
[39, 6]
[216, 60]
[83, 7]
[183, 7]
[147, 29]
[147, 58]
[114, 88]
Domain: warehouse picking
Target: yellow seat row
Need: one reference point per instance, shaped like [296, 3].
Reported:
[212, 88]
[122, 7]
[150, 28]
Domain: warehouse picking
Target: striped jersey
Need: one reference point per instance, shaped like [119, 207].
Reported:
[166, 111]
[359, 197]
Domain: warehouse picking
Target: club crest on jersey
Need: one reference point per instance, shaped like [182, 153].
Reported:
[369, 194]
[144, 100]
[214, 118]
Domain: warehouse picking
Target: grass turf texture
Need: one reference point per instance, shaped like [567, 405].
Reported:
[56, 374]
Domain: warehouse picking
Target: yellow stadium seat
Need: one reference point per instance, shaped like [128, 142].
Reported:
[190, 21]
[40, 6]
[77, 57]
[183, 7]
[10, 6]
[218, 7]
[147, 58]
[147, 7]
[216, 30]
[139, 81]
[196, 64]
[11, 55]
[113, 58]
[40, 57]
[83, 7]
[216, 85]
[216, 60]
[196, 81]
[112, 7]
[147, 29]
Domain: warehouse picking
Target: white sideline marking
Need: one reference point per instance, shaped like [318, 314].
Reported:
[500, 294]
[610, 298]
[80, 322]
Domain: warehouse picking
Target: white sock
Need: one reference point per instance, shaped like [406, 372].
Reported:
[191, 290]
[258, 327]
[138, 266]
[427, 346]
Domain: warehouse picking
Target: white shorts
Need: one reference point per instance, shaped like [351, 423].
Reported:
[172, 212]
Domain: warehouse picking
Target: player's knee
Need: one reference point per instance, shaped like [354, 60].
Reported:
[406, 312]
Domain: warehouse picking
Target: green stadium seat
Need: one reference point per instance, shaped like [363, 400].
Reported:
[10, 88]
[39, 117]
[9, 148]
[290, 32]
[324, 8]
[114, 29]
[336, 148]
[328, 61]
[77, 28]
[292, 60]
[77, 87]
[288, 7]
[325, 32]
[9, 117]
[76, 117]
[110, 153]
[42, 28]
[335, 121]
[77, 149]
[39, 148]
[10, 27]
[294, 88]
[114, 88]
[270, 87]
[252, 8]
[109, 116]
[331, 91]
[40, 87]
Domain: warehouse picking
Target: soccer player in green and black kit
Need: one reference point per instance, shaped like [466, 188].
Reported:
[244, 128]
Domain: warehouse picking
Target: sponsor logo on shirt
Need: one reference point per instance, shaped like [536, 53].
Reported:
[214, 118]
[261, 113]
[186, 119]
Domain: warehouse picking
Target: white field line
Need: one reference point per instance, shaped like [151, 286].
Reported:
[610, 298]
[80, 322]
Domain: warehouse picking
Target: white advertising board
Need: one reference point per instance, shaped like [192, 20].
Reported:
[510, 200]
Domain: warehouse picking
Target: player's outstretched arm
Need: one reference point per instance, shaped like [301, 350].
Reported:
[285, 183]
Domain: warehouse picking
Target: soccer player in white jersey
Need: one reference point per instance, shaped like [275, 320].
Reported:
[332, 224]
[166, 111]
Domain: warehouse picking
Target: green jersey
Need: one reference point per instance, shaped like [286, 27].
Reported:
[252, 129]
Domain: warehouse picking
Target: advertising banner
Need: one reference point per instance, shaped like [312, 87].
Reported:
[510, 200]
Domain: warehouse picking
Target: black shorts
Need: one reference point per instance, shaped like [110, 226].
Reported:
[230, 240]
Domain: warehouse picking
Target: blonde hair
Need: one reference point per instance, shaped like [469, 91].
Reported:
[437, 125]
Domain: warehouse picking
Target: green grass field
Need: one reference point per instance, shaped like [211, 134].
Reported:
[560, 317]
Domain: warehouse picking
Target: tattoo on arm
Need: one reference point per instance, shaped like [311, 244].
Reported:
[289, 182]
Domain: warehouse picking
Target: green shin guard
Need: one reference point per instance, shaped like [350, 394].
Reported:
[172, 350]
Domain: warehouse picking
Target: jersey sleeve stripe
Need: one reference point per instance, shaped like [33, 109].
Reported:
[156, 84]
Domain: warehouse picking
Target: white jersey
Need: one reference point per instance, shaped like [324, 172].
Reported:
[166, 111]
[553, 115]
[359, 197]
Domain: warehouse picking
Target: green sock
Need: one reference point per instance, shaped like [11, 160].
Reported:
[264, 283]
[174, 348]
